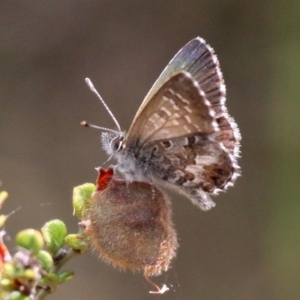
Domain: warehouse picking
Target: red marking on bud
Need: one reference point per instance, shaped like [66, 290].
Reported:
[104, 178]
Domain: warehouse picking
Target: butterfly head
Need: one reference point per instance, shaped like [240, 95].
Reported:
[112, 142]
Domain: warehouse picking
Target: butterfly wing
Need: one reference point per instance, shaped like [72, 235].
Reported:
[198, 59]
[182, 135]
[177, 109]
[176, 142]
[196, 165]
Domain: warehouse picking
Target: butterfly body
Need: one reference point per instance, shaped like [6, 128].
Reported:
[182, 136]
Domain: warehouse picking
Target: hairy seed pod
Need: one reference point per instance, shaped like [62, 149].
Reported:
[130, 225]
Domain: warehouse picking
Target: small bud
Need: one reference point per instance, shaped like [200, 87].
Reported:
[3, 197]
[30, 239]
[3, 219]
[76, 242]
[130, 225]
[9, 269]
[46, 260]
[28, 274]
[81, 194]
[6, 285]
[18, 296]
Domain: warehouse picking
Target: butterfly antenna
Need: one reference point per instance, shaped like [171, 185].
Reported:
[110, 157]
[86, 124]
[93, 89]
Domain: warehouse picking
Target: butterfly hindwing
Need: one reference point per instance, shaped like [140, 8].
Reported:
[196, 165]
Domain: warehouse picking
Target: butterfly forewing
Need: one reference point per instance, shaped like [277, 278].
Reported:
[177, 109]
[198, 59]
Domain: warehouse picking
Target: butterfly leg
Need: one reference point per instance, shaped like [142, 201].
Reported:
[159, 290]
[123, 173]
[151, 181]
[118, 167]
[110, 157]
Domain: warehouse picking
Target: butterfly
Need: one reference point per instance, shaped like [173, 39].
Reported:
[182, 136]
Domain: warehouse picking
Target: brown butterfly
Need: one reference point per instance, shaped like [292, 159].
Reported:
[182, 136]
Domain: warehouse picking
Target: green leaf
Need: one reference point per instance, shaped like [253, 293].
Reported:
[65, 276]
[54, 233]
[51, 280]
[81, 195]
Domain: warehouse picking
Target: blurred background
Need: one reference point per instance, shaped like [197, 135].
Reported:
[248, 247]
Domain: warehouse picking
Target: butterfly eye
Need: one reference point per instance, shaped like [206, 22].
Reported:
[116, 143]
